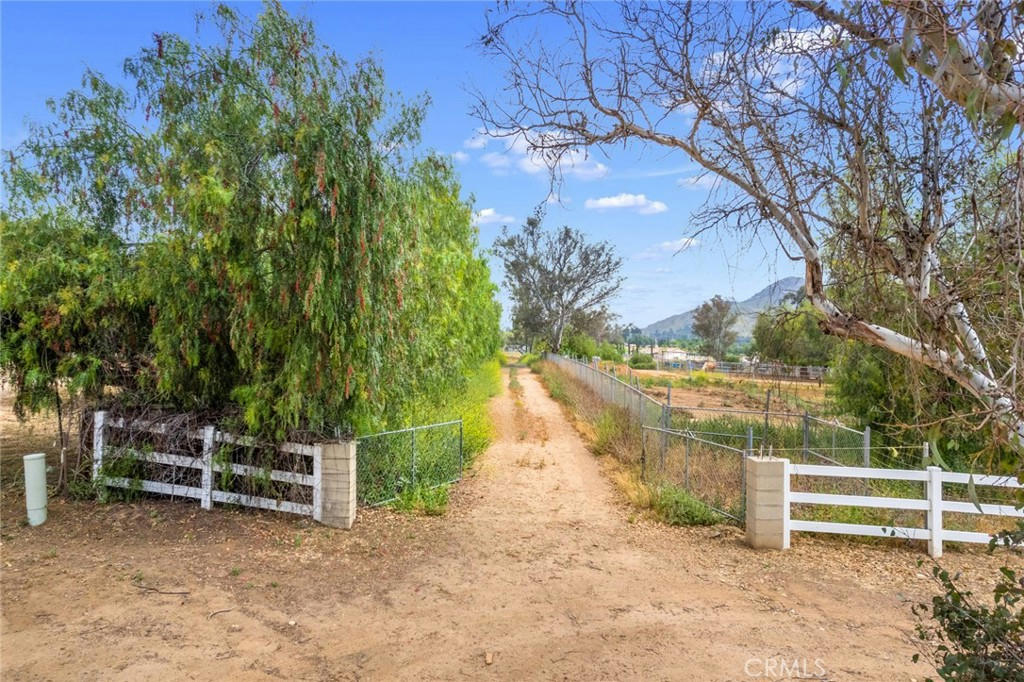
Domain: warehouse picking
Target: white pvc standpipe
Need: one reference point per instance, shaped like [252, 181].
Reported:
[35, 488]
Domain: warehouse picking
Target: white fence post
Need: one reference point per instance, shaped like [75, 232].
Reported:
[935, 512]
[98, 426]
[206, 501]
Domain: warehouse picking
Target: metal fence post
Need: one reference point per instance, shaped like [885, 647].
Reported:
[413, 433]
[750, 438]
[664, 434]
[643, 454]
[686, 465]
[743, 485]
[807, 434]
[462, 463]
[867, 446]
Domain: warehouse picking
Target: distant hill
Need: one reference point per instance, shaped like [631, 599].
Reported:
[681, 325]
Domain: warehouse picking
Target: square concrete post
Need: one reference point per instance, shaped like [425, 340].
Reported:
[337, 481]
[767, 502]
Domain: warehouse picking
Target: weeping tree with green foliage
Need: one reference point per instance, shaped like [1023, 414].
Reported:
[292, 261]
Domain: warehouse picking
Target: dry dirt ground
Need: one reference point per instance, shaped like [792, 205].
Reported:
[538, 571]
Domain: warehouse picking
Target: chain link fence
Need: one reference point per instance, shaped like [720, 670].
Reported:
[392, 462]
[641, 407]
[710, 472]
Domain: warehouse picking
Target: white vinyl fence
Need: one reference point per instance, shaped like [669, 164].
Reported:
[933, 505]
[192, 472]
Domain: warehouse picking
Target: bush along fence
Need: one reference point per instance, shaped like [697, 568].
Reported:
[171, 456]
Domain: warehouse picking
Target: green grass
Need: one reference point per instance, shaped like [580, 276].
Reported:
[607, 429]
[677, 507]
[427, 501]
[555, 381]
[386, 467]
[513, 381]
[530, 359]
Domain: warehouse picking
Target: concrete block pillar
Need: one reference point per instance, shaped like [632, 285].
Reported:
[337, 500]
[767, 502]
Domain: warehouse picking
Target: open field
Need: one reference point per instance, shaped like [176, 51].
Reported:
[540, 570]
[710, 389]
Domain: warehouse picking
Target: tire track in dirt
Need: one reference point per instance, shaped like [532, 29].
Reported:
[538, 568]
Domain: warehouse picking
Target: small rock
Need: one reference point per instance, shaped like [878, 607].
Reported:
[489, 658]
[292, 623]
[234, 628]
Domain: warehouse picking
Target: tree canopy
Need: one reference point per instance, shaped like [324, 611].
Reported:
[556, 278]
[712, 324]
[249, 207]
[805, 110]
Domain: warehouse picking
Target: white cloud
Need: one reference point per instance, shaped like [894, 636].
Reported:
[639, 202]
[666, 248]
[460, 157]
[489, 216]
[706, 181]
[496, 160]
[794, 42]
[478, 141]
[533, 160]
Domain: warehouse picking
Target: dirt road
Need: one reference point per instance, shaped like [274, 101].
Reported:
[539, 571]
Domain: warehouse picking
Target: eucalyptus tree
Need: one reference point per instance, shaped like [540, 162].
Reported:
[556, 277]
[713, 325]
[836, 130]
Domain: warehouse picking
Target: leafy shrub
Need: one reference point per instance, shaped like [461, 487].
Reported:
[609, 352]
[529, 359]
[292, 267]
[428, 501]
[677, 507]
[607, 429]
[974, 642]
[642, 361]
[579, 345]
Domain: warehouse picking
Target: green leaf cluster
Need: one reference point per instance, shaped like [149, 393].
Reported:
[289, 260]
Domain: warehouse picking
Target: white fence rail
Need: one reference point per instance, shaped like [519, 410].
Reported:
[933, 504]
[206, 492]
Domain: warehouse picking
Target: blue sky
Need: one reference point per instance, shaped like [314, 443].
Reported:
[639, 199]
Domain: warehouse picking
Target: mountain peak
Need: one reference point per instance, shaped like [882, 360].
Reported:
[681, 325]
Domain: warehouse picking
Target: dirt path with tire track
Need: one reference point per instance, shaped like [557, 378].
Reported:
[539, 571]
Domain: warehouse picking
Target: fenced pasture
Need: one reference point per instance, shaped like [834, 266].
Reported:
[771, 371]
[822, 440]
[702, 451]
